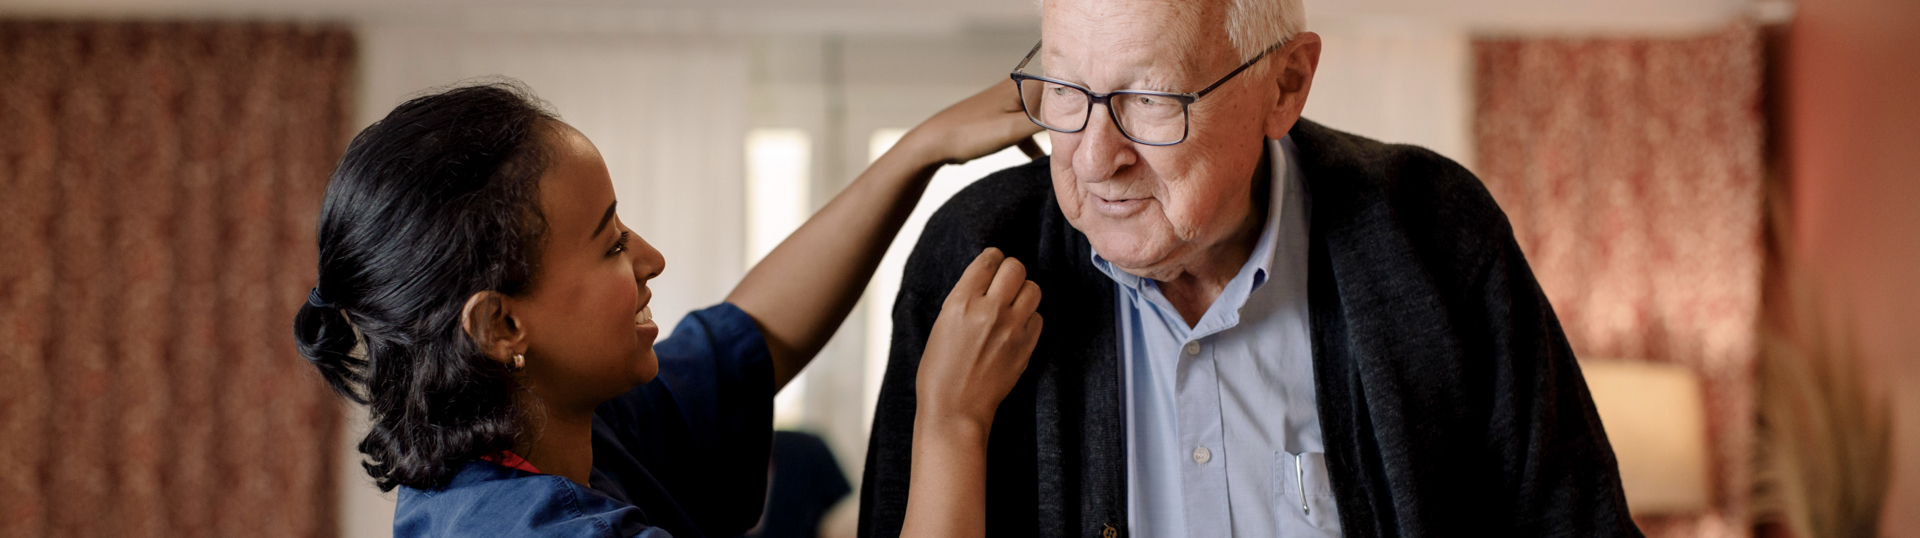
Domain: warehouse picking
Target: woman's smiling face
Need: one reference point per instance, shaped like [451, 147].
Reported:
[588, 328]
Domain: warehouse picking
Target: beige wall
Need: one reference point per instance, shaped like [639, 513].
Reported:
[1852, 141]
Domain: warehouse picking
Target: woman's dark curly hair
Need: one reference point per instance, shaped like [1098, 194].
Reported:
[430, 205]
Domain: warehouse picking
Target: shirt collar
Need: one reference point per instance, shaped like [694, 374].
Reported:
[510, 460]
[1285, 169]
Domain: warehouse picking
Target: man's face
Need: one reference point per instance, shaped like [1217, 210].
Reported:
[1152, 210]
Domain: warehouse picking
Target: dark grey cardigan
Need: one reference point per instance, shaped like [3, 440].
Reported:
[1449, 401]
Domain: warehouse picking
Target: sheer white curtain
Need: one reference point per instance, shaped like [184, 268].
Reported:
[668, 114]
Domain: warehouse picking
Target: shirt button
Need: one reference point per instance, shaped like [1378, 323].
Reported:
[1202, 455]
[1193, 348]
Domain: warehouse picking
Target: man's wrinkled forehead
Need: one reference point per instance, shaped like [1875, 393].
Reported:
[1079, 34]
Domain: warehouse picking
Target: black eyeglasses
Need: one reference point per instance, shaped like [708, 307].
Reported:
[1145, 117]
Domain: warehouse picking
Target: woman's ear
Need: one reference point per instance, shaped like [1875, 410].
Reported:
[489, 320]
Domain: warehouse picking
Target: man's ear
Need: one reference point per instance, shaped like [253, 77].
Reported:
[488, 319]
[1292, 73]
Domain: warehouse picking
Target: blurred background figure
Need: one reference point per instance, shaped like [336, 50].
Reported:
[807, 484]
[1717, 196]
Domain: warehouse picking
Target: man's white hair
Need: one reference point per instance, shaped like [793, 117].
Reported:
[1254, 25]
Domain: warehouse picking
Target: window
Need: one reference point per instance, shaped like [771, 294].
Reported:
[778, 202]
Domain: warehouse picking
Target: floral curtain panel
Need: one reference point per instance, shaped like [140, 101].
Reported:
[158, 191]
[1632, 172]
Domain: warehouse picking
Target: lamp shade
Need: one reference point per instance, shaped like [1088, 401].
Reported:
[1656, 421]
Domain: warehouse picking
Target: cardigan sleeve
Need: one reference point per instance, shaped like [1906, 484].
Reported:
[1559, 470]
[997, 211]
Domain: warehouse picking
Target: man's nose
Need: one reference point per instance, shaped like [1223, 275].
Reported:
[1103, 150]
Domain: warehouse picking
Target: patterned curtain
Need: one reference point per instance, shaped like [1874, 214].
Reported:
[159, 185]
[1632, 172]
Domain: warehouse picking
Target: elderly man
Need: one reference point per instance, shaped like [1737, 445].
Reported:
[1255, 325]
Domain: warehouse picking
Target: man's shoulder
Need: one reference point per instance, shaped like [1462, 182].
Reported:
[1356, 181]
[1012, 210]
[1010, 204]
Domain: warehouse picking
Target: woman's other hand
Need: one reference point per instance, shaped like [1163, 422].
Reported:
[978, 126]
[980, 344]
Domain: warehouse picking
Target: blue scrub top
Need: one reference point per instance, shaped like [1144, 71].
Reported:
[684, 455]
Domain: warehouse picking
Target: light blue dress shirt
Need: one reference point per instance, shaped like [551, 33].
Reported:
[1223, 438]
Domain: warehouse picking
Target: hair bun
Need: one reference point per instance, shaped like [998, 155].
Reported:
[326, 339]
[314, 300]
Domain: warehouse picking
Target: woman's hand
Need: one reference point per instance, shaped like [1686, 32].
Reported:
[978, 347]
[975, 127]
[980, 344]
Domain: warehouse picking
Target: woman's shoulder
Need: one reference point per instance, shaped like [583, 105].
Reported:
[721, 331]
[486, 499]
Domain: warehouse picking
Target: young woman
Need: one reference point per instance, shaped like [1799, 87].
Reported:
[478, 292]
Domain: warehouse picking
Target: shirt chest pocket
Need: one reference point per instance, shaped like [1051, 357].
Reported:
[1302, 495]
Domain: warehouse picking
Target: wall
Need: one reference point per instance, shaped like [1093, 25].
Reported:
[1851, 133]
[1396, 80]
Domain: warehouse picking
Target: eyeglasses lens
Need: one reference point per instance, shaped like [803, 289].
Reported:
[1146, 118]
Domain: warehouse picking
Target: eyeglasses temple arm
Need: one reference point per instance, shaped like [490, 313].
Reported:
[1029, 57]
[1223, 80]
